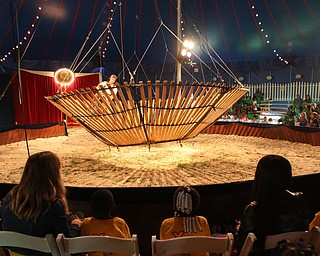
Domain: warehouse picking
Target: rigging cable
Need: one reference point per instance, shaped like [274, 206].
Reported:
[202, 45]
[16, 38]
[164, 40]
[73, 66]
[121, 36]
[184, 68]
[151, 41]
[206, 50]
[21, 58]
[225, 67]
[122, 57]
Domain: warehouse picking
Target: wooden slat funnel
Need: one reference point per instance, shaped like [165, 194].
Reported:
[148, 113]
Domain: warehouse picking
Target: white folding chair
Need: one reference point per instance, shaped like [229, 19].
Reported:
[15, 239]
[248, 243]
[68, 246]
[192, 244]
[309, 238]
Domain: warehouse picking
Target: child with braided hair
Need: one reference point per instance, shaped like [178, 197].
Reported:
[186, 202]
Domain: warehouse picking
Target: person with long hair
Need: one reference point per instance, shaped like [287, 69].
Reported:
[37, 205]
[273, 209]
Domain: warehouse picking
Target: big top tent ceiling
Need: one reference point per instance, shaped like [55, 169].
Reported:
[107, 32]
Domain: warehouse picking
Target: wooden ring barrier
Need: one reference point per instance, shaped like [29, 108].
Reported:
[307, 135]
[148, 113]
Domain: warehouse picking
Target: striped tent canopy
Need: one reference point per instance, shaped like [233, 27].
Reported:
[136, 114]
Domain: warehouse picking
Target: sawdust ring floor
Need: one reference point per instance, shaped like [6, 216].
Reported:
[206, 159]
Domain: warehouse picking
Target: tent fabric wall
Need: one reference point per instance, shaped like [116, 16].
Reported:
[35, 85]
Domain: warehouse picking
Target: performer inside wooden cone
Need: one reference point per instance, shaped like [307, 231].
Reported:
[107, 85]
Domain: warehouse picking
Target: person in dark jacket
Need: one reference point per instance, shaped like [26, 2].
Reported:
[273, 208]
[37, 205]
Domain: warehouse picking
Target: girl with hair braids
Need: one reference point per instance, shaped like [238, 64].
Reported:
[186, 202]
[37, 205]
[273, 208]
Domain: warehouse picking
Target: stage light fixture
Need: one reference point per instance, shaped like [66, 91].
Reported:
[183, 52]
[64, 76]
[188, 44]
[269, 78]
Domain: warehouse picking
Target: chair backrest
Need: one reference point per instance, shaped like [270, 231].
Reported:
[15, 239]
[309, 238]
[247, 246]
[68, 246]
[193, 244]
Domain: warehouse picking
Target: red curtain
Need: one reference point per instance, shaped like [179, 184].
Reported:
[34, 108]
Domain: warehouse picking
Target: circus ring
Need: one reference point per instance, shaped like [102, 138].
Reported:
[145, 207]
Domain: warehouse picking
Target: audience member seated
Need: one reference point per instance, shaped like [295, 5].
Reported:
[307, 103]
[258, 96]
[186, 202]
[313, 121]
[298, 102]
[235, 118]
[38, 206]
[255, 119]
[264, 120]
[273, 208]
[288, 119]
[103, 223]
[244, 109]
[303, 120]
[314, 108]
[315, 222]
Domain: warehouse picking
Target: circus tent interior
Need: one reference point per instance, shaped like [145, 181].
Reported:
[237, 43]
[140, 40]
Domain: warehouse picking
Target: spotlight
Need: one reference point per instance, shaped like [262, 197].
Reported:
[183, 52]
[188, 44]
[269, 78]
[298, 76]
[64, 76]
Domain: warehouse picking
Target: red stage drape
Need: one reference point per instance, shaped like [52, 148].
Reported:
[34, 87]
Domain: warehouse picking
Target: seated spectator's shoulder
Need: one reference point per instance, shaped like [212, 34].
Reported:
[87, 220]
[249, 211]
[6, 200]
[168, 221]
[119, 220]
[295, 195]
[251, 205]
[296, 199]
[202, 219]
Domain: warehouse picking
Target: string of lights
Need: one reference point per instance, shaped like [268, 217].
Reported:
[266, 35]
[188, 45]
[26, 37]
[106, 41]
